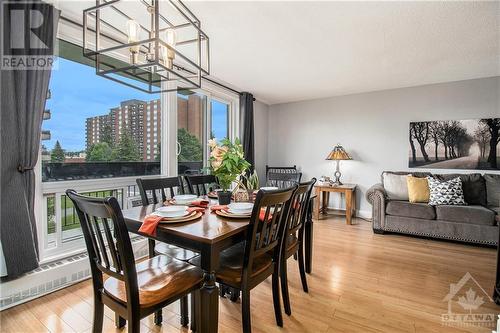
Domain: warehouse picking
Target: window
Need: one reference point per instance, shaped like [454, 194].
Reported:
[220, 119]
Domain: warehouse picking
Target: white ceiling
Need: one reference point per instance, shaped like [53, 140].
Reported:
[285, 51]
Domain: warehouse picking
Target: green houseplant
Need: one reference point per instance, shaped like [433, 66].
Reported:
[227, 164]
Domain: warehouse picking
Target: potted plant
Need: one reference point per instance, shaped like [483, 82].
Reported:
[246, 185]
[227, 164]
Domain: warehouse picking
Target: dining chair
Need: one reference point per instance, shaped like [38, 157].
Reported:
[153, 190]
[133, 291]
[201, 184]
[245, 265]
[281, 169]
[294, 239]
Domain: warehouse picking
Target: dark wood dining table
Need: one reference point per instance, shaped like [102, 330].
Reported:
[208, 236]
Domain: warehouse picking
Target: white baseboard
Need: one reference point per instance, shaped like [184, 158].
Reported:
[364, 214]
[53, 276]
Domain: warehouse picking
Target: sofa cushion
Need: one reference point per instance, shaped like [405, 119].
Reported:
[395, 186]
[446, 192]
[407, 209]
[473, 186]
[418, 189]
[466, 214]
[497, 212]
[492, 189]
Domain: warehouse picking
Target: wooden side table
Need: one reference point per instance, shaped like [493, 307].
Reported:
[323, 196]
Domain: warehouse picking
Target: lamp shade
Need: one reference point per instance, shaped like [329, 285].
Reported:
[338, 153]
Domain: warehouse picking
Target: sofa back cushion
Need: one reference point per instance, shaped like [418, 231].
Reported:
[492, 189]
[395, 186]
[473, 186]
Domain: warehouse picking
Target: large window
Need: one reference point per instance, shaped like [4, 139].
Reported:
[100, 136]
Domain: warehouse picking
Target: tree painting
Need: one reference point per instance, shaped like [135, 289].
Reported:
[455, 144]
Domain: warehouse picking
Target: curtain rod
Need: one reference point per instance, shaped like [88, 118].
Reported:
[203, 77]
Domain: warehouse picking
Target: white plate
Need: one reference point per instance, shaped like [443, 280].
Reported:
[241, 206]
[269, 188]
[240, 212]
[172, 211]
[185, 199]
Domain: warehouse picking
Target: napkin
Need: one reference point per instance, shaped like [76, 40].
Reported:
[200, 203]
[218, 207]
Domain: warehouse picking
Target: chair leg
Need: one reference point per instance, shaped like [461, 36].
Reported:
[302, 267]
[119, 321]
[158, 317]
[284, 287]
[134, 323]
[245, 311]
[195, 312]
[276, 297]
[98, 316]
[184, 311]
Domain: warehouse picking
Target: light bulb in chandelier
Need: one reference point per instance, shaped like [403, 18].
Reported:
[133, 34]
[166, 54]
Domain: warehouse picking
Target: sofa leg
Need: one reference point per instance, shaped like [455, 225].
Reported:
[379, 231]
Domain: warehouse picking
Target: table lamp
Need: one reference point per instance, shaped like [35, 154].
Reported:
[338, 154]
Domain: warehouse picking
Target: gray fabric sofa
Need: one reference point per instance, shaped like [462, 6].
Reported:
[475, 223]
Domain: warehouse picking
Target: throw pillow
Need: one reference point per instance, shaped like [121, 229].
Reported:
[473, 185]
[418, 189]
[395, 186]
[492, 189]
[445, 193]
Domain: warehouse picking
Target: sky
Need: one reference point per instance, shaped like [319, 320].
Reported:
[78, 93]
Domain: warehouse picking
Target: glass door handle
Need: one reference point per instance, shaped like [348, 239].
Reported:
[179, 148]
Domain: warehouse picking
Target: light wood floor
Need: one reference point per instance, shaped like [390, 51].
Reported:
[361, 282]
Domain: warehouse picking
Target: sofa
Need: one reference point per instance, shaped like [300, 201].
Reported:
[475, 223]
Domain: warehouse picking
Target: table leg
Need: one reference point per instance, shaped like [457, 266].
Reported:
[348, 207]
[209, 305]
[317, 203]
[309, 239]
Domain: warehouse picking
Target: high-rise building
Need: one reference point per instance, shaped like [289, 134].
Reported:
[142, 119]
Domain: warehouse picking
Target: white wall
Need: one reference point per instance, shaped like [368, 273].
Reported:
[261, 131]
[372, 127]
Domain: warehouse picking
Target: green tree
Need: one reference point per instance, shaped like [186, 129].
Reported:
[191, 149]
[107, 136]
[57, 154]
[126, 150]
[99, 152]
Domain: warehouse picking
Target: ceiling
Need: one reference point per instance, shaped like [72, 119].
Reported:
[289, 51]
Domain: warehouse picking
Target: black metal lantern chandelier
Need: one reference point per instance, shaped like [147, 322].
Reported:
[142, 43]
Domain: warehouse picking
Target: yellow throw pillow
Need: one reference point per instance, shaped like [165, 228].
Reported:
[418, 189]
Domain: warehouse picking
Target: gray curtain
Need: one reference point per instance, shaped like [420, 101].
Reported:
[247, 127]
[23, 96]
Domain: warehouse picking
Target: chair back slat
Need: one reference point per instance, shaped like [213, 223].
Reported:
[264, 235]
[173, 185]
[201, 184]
[282, 179]
[100, 216]
[281, 169]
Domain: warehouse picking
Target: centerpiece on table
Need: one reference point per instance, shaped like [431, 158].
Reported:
[227, 164]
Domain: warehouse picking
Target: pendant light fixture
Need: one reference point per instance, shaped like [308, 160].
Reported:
[142, 43]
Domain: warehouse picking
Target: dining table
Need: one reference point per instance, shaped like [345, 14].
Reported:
[209, 236]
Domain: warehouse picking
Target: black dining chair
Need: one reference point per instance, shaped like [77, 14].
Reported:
[154, 191]
[294, 239]
[201, 184]
[283, 179]
[249, 263]
[132, 290]
[281, 169]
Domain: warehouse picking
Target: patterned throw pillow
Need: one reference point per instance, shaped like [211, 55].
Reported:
[446, 193]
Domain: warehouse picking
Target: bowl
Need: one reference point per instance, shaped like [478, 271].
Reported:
[172, 211]
[185, 199]
[240, 207]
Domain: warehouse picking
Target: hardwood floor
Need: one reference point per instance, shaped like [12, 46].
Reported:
[361, 282]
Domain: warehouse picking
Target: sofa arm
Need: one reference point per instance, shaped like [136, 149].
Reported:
[376, 197]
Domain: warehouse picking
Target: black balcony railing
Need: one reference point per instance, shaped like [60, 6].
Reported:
[52, 172]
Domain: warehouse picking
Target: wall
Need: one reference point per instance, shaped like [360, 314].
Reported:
[372, 127]
[261, 131]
